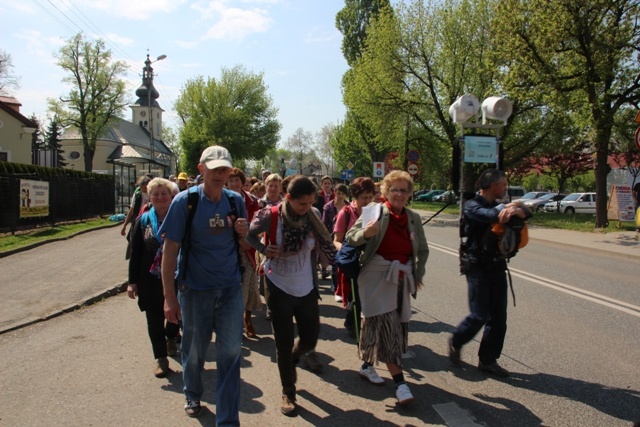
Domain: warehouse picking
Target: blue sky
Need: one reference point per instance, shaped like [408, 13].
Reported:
[294, 43]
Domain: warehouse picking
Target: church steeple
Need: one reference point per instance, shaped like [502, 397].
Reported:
[146, 110]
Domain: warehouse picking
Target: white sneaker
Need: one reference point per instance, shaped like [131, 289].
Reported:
[404, 394]
[338, 298]
[371, 375]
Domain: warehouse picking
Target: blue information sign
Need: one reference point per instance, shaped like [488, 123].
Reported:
[343, 174]
[350, 175]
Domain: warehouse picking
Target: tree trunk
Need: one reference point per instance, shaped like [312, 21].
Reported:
[88, 159]
[602, 170]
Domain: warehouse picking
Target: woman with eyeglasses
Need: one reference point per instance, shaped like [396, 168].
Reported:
[392, 267]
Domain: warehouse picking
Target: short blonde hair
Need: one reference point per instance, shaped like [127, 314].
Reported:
[395, 175]
[160, 182]
[273, 177]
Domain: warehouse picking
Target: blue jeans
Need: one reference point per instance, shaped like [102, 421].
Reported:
[488, 306]
[204, 312]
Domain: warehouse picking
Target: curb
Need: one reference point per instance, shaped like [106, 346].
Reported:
[109, 292]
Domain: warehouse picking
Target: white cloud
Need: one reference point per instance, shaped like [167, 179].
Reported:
[140, 10]
[232, 23]
[120, 40]
[186, 44]
[18, 6]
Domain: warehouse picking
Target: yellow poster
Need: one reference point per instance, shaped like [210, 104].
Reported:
[34, 198]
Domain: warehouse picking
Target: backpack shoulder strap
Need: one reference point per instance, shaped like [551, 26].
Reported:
[193, 197]
[273, 226]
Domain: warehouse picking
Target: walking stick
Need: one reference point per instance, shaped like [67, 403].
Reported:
[355, 311]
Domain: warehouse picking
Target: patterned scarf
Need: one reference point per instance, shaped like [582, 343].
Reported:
[296, 228]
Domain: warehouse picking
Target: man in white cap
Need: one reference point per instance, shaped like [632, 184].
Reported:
[208, 279]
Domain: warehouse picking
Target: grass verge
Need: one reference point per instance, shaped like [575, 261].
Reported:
[9, 242]
[578, 222]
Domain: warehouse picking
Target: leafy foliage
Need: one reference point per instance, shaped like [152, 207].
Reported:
[97, 98]
[587, 51]
[234, 111]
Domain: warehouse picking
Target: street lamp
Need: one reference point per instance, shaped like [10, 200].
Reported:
[149, 82]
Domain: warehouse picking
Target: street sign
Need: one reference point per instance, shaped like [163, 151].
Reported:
[378, 169]
[351, 175]
[480, 149]
[343, 174]
[637, 138]
[413, 156]
[350, 165]
[413, 169]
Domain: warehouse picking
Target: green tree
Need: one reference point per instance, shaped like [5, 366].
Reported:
[52, 141]
[418, 61]
[97, 98]
[353, 22]
[171, 139]
[234, 111]
[586, 50]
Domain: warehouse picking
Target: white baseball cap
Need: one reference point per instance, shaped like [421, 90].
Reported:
[216, 157]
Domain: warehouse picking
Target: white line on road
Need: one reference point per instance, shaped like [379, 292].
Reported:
[606, 301]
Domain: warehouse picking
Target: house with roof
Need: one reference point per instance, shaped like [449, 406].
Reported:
[128, 149]
[16, 132]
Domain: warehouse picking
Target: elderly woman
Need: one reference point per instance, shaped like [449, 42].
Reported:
[393, 263]
[250, 291]
[273, 185]
[144, 274]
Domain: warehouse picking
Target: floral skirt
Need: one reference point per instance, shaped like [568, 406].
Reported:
[250, 290]
[384, 339]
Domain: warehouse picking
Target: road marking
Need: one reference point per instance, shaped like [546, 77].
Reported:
[455, 416]
[622, 306]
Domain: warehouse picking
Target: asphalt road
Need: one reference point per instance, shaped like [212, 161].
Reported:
[572, 346]
[572, 340]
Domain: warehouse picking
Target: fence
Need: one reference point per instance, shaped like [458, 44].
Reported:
[73, 195]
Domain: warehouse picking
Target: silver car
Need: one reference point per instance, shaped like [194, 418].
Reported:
[537, 205]
[579, 203]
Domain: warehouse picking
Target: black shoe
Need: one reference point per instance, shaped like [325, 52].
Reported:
[493, 369]
[311, 361]
[192, 408]
[454, 354]
[288, 406]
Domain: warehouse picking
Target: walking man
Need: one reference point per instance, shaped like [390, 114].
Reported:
[486, 276]
[209, 297]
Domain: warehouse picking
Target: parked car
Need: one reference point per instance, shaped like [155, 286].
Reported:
[532, 195]
[537, 204]
[447, 196]
[428, 196]
[512, 193]
[419, 192]
[579, 203]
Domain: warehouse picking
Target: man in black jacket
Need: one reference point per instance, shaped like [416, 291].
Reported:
[486, 277]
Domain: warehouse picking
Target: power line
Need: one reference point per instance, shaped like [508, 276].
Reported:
[53, 16]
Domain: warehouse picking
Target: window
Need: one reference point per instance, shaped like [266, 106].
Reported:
[4, 156]
[74, 155]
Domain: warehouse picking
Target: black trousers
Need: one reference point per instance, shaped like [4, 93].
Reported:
[284, 309]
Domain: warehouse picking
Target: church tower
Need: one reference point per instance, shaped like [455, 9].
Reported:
[146, 112]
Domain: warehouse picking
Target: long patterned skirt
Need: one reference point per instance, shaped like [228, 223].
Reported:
[384, 338]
